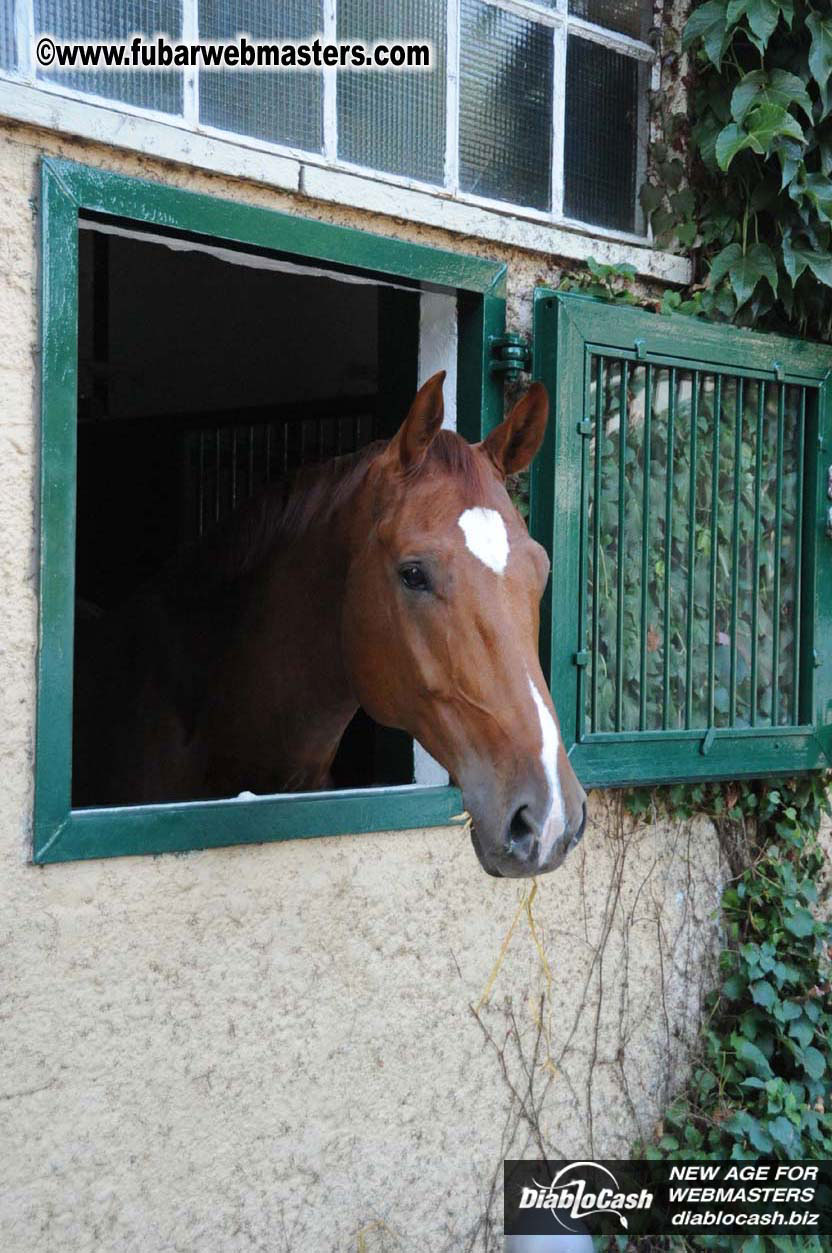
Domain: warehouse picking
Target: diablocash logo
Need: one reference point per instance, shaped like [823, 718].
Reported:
[571, 1196]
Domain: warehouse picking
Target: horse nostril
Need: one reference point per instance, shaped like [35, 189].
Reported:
[576, 838]
[522, 842]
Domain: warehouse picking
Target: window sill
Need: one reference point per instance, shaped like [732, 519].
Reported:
[374, 193]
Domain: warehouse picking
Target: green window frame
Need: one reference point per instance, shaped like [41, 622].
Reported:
[68, 191]
[701, 597]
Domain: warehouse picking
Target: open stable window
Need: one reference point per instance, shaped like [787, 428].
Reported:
[540, 104]
[195, 349]
[683, 491]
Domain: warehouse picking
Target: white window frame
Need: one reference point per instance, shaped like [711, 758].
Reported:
[184, 139]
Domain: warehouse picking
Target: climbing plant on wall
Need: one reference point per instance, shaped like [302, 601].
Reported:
[757, 211]
[757, 215]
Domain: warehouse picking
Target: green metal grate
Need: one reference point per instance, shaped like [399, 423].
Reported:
[682, 494]
[694, 521]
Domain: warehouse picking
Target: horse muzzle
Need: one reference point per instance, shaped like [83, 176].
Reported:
[522, 849]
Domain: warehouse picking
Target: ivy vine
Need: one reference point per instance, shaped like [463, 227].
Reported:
[762, 1086]
[743, 182]
[756, 211]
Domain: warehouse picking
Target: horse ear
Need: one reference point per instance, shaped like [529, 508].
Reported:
[424, 418]
[512, 445]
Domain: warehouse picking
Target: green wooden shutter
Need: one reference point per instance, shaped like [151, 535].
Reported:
[683, 495]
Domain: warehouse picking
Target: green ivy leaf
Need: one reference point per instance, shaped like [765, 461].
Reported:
[722, 263]
[818, 189]
[763, 994]
[683, 202]
[650, 197]
[759, 1137]
[820, 53]
[782, 1131]
[751, 1055]
[797, 259]
[779, 87]
[746, 272]
[731, 140]
[707, 23]
[769, 122]
[802, 1031]
[813, 1063]
[762, 16]
[800, 923]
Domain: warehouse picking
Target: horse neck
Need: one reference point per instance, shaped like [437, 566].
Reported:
[289, 655]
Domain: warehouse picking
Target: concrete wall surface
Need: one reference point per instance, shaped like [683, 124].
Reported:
[279, 1047]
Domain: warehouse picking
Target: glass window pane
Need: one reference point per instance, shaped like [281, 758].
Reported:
[631, 17]
[603, 92]
[394, 119]
[505, 127]
[280, 106]
[101, 20]
[7, 42]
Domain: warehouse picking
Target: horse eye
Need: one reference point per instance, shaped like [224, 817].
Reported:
[414, 578]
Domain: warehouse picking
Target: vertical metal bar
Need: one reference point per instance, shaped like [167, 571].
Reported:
[645, 542]
[714, 545]
[694, 422]
[558, 134]
[619, 603]
[452, 98]
[668, 539]
[190, 81]
[201, 488]
[24, 38]
[778, 556]
[596, 543]
[330, 85]
[582, 556]
[798, 559]
[755, 583]
[217, 453]
[735, 548]
[233, 468]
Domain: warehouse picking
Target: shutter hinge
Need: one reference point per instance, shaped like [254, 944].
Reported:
[708, 742]
[586, 427]
[511, 355]
[817, 658]
[581, 658]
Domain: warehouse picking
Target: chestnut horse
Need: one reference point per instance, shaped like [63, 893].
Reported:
[400, 579]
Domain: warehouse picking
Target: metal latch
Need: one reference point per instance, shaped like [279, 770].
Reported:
[511, 355]
[708, 742]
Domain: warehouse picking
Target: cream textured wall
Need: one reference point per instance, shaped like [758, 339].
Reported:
[273, 1047]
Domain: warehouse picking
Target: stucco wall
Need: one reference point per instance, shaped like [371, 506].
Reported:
[274, 1047]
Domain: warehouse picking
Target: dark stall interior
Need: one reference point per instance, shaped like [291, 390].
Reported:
[203, 375]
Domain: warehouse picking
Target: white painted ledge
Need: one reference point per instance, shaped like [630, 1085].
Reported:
[159, 137]
[438, 209]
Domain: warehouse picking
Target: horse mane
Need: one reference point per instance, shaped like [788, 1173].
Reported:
[284, 511]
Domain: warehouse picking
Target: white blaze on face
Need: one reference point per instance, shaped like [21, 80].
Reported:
[555, 823]
[486, 536]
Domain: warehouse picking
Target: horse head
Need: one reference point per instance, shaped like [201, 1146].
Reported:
[440, 627]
